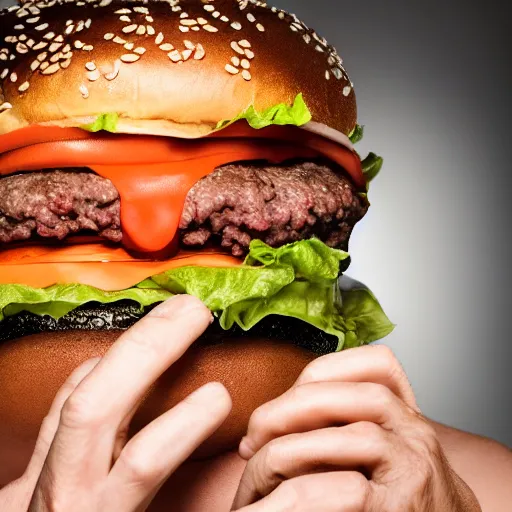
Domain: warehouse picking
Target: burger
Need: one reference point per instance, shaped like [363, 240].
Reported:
[149, 149]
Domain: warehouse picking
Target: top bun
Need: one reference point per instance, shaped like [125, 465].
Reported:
[174, 67]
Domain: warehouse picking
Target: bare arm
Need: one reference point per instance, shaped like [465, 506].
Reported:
[485, 465]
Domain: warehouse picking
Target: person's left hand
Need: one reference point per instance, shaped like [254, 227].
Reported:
[348, 436]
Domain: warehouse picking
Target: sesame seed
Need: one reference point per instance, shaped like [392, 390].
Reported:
[139, 50]
[78, 45]
[244, 43]
[3, 56]
[189, 44]
[216, 14]
[90, 66]
[150, 19]
[281, 15]
[123, 11]
[184, 29]
[251, 17]
[237, 48]
[69, 29]
[307, 38]
[196, 28]
[129, 46]
[105, 3]
[231, 69]
[92, 76]
[175, 56]
[24, 87]
[246, 64]
[202, 21]
[42, 56]
[5, 72]
[183, 15]
[327, 75]
[65, 64]
[331, 60]
[209, 8]
[32, 20]
[85, 92]
[59, 39]
[21, 48]
[200, 53]
[5, 106]
[54, 47]
[125, 19]
[235, 61]
[108, 36]
[261, 28]
[129, 29]
[236, 25]
[141, 30]
[150, 30]
[43, 26]
[34, 65]
[19, 27]
[22, 13]
[159, 38]
[119, 40]
[115, 72]
[50, 69]
[346, 90]
[130, 57]
[249, 54]
[225, 19]
[293, 28]
[23, 37]
[49, 35]
[14, 77]
[209, 28]
[56, 57]
[246, 75]
[88, 48]
[69, 22]
[337, 73]
[318, 48]
[11, 39]
[186, 54]
[188, 23]
[88, 23]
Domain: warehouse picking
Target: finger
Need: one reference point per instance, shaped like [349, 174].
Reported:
[152, 455]
[359, 446]
[51, 421]
[345, 491]
[319, 405]
[91, 416]
[372, 363]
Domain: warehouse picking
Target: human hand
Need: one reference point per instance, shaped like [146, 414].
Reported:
[83, 460]
[348, 436]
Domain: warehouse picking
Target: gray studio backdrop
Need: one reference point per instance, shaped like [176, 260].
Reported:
[432, 85]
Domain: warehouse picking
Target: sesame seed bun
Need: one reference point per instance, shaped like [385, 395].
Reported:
[166, 67]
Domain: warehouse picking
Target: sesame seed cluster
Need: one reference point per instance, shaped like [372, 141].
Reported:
[42, 39]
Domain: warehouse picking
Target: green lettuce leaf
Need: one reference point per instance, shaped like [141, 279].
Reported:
[297, 115]
[106, 122]
[299, 280]
[356, 134]
[371, 166]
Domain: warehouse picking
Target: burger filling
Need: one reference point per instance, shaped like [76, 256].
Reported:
[237, 203]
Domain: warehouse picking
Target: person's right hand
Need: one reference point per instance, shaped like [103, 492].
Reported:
[83, 460]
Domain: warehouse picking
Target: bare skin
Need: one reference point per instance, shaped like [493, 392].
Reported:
[310, 398]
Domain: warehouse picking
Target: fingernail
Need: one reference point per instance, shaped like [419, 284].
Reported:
[178, 305]
[245, 450]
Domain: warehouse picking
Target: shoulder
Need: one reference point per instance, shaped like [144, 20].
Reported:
[484, 464]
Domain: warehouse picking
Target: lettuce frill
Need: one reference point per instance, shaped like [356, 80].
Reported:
[298, 280]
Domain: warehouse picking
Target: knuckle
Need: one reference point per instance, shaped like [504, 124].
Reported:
[381, 395]
[273, 458]
[78, 411]
[290, 496]
[359, 486]
[372, 434]
[139, 469]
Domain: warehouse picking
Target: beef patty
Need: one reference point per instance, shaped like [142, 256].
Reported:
[231, 206]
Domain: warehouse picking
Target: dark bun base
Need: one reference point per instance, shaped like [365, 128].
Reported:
[122, 315]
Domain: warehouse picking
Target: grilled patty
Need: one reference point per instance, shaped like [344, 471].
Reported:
[231, 206]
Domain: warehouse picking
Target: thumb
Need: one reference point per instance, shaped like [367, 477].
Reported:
[51, 422]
